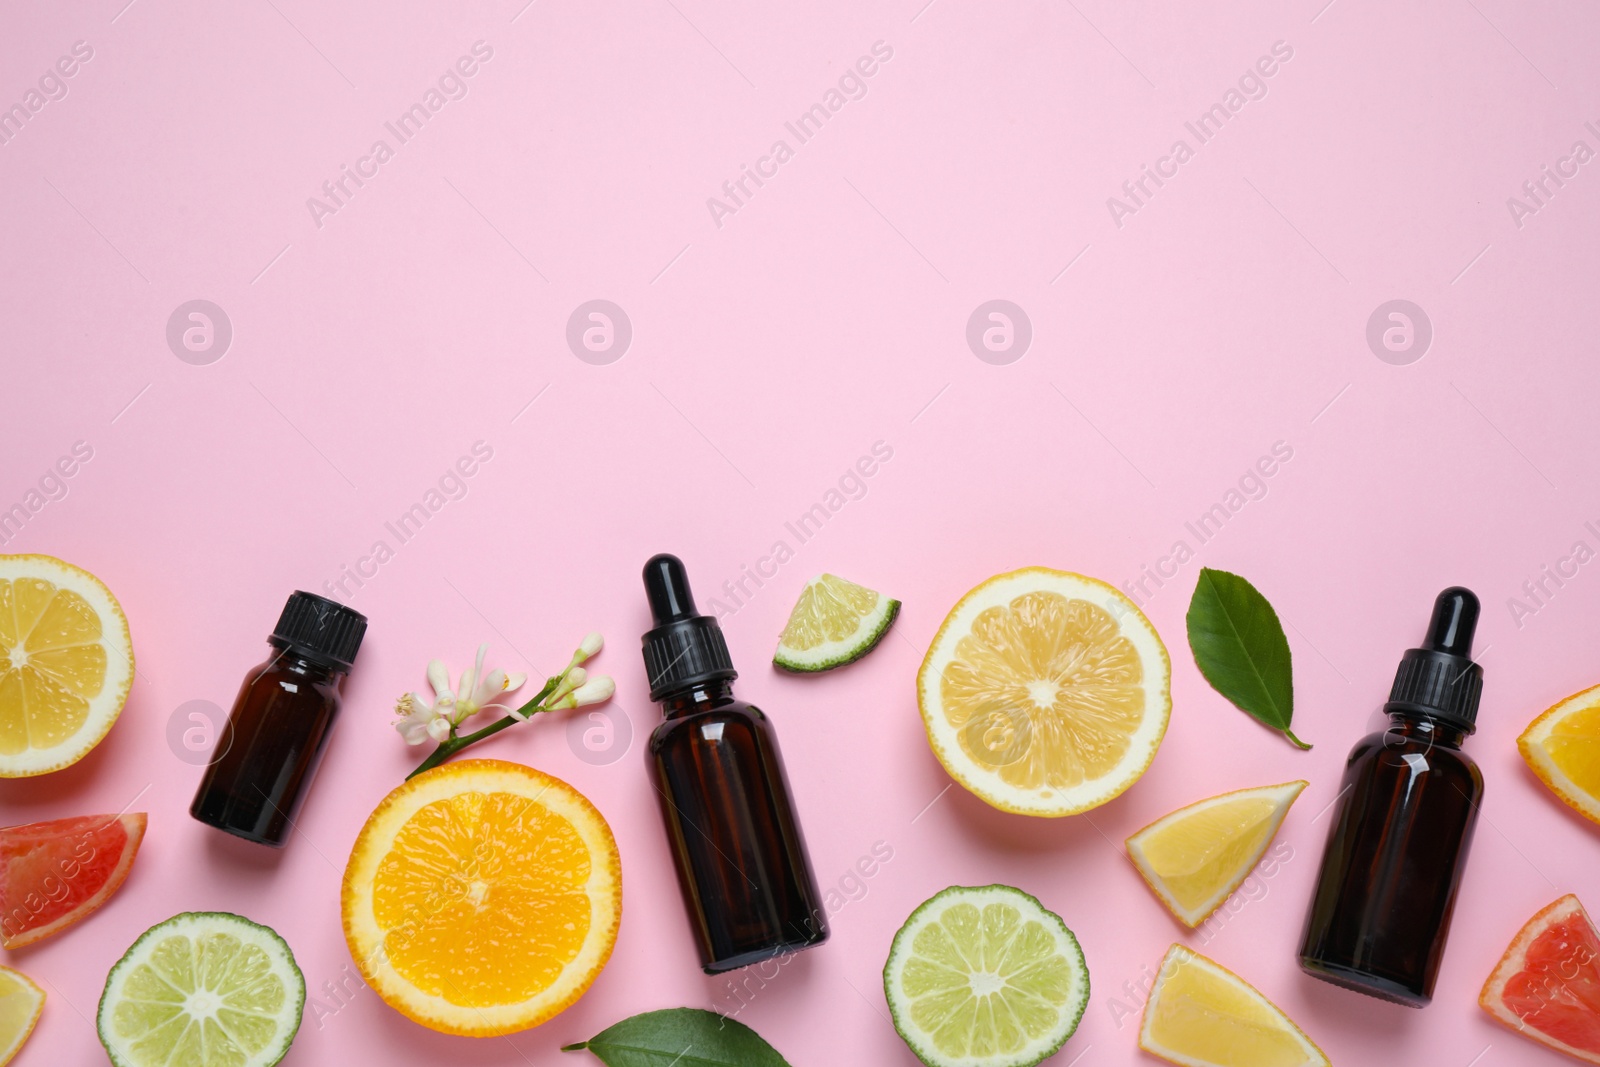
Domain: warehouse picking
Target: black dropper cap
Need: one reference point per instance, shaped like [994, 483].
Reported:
[686, 648]
[1439, 680]
[321, 629]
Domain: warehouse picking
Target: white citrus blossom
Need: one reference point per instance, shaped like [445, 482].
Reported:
[420, 720]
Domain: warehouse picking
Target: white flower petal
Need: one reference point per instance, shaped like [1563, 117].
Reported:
[514, 680]
[439, 678]
[493, 684]
[439, 730]
[414, 732]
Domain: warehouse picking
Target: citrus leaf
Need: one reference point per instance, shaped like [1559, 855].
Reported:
[1240, 647]
[687, 1037]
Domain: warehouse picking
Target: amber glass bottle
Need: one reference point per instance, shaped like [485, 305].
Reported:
[268, 753]
[1398, 843]
[740, 856]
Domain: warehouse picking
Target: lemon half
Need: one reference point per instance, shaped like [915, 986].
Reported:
[1045, 692]
[66, 664]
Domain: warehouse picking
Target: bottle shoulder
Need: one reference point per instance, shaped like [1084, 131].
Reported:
[1390, 752]
[734, 713]
[293, 678]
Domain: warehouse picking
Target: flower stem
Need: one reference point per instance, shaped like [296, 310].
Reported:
[454, 744]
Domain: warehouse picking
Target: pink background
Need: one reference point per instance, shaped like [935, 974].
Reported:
[826, 314]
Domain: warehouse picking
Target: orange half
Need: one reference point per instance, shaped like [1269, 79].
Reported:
[482, 898]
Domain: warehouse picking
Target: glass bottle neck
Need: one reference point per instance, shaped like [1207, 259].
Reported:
[1425, 729]
[295, 661]
[697, 698]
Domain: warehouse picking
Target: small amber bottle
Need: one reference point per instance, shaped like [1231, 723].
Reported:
[741, 859]
[268, 753]
[1407, 807]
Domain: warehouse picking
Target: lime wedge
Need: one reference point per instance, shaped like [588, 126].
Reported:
[834, 622]
[985, 977]
[203, 989]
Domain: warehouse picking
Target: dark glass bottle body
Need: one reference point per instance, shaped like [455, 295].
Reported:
[741, 858]
[270, 750]
[1396, 851]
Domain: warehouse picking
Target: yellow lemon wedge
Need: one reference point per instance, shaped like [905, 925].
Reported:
[482, 897]
[1198, 855]
[66, 664]
[1200, 1014]
[20, 1004]
[1045, 692]
[1563, 748]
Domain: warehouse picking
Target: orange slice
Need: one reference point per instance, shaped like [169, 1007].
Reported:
[482, 897]
[1563, 748]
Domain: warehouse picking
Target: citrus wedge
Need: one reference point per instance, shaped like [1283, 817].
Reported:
[203, 989]
[985, 977]
[53, 874]
[1200, 1014]
[1197, 856]
[66, 663]
[1547, 985]
[1563, 748]
[834, 622]
[20, 1004]
[482, 897]
[1045, 692]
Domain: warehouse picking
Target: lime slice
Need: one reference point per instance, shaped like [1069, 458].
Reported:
[203, 989]
[834, 622]
[985, 977]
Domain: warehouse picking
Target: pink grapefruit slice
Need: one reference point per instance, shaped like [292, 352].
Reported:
[1547, 985]
[53, 874]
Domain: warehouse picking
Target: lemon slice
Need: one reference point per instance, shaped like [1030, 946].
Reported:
[1196, 856]
[482, 897]
[1200, 1014]
[1045, 692]
[66, 662]
[985, 977]
[1563, 748]
[203, 989]
[20, 1004]
[834, 622]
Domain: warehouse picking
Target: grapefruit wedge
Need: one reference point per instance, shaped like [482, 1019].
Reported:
[1547, 985]
[54, 873]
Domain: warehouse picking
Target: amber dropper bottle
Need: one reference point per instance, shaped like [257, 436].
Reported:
[267, 755]
[741, 859]
[1398, 844]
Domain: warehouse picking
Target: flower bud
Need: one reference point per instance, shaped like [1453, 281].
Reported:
[596, 690]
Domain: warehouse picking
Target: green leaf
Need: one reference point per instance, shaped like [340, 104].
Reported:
[687, 1037]
[1240, 647]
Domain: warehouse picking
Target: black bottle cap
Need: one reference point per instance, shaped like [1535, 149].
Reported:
[1439, 680]
[320, 628]
[685, 649]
